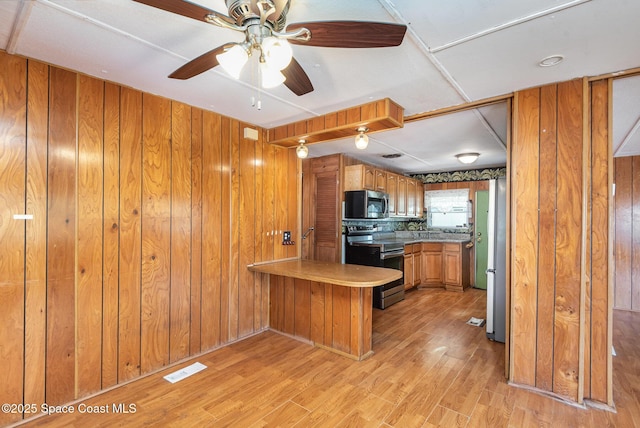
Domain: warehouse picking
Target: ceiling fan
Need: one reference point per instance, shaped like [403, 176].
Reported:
[264, 24]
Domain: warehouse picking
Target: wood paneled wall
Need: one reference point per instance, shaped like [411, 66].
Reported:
[146, 212]
[560, 179]
[627, 233]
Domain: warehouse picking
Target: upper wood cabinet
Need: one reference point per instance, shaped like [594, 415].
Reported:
[381, 180]
[392, 190]
[359, 177]
[401, 197]
[419, 198]
[406, 195]
[411, 198]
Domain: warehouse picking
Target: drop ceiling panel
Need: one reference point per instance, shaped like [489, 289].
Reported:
[589, 36]
[440, 23]
[8, 14]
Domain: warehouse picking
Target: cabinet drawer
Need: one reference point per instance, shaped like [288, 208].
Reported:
[432, 246]
[451, 247]
[417, 248]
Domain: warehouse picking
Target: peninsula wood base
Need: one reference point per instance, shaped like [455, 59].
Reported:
[329, 304]
[333, 317]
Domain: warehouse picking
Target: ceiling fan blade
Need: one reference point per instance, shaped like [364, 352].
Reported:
[350, 34]
[185, 8]
[204, 62]
[297, 79]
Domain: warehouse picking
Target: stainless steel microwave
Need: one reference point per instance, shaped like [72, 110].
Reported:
[366, 204]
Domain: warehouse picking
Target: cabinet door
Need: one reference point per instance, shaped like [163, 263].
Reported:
[401, 198]
[411, 198]
[392, 190]
[368, 178]
[452, 268]
[432, 269]
[417, 268]
[381, 180]
[359, 177]
[419, 199]
[408, 271]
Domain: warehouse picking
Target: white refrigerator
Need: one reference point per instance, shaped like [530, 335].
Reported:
[497, 260]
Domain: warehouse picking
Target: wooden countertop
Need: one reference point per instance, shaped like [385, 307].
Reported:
[333, 273]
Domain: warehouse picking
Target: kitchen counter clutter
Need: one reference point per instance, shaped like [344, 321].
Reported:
[326, 304]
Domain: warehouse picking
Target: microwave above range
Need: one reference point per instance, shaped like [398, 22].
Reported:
[366, 204]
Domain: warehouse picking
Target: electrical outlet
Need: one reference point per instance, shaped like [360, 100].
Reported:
[286, 236]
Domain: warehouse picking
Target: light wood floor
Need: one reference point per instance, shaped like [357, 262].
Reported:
[429, 369]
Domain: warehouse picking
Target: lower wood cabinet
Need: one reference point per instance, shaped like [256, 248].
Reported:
[455, 262]
[412, 265]
[444, 264]
[432, 264]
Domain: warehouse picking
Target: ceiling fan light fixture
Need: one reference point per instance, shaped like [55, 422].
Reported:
[468, 158]
[233, 59]
[277, 52]
[362, 140]
[302, 151]
[270, 76]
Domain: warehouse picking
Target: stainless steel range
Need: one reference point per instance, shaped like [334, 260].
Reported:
[366, 247]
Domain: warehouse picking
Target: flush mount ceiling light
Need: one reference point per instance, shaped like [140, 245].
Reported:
[302, 151]
[467, 158]
[362, 140]
[550, 61]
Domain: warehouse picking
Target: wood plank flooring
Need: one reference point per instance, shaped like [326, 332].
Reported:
[429, 369]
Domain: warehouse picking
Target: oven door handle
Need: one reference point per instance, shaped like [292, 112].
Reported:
[391, 254]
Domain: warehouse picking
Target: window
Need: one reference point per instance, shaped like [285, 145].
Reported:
[447, 209]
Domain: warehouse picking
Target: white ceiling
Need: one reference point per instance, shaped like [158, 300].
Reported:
[454, 51]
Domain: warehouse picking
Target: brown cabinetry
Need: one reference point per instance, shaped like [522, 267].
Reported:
[432, 264]
[445, 264]
[401, 197]
[411, 198]
[455, 261]
[392, 190]
[381, 180]
[412, 265]
[406, 195]
[359, 177]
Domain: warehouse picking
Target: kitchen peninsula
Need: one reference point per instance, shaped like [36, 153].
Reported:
[326, 304]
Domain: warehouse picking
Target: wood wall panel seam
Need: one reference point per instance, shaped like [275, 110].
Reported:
[548, 165]
[61, 229]
[525, 154]
[13, 193]
[36, 233]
